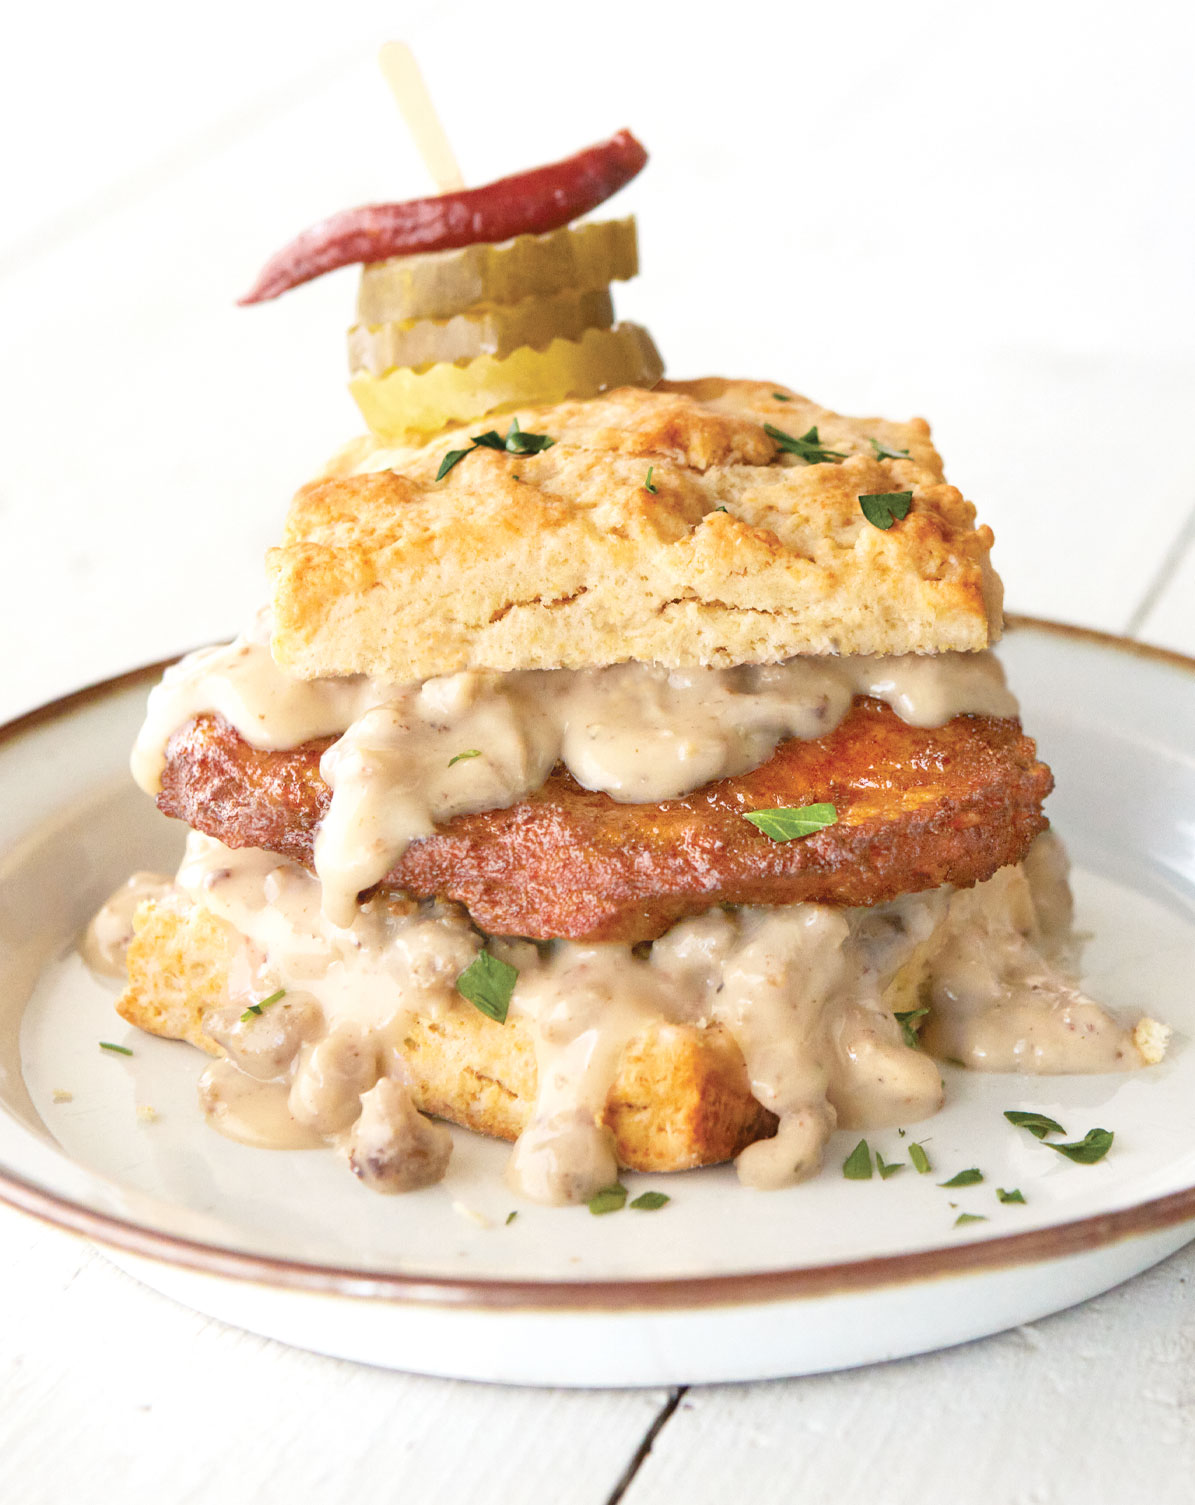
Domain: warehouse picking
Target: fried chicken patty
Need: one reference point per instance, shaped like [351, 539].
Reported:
[916, 809]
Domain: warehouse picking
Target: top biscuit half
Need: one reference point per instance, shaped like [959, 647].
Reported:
[734, 551]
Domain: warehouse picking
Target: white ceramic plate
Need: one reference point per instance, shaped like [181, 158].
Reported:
[722, 1284]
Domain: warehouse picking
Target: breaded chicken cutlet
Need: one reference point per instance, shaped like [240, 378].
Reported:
[917, 808]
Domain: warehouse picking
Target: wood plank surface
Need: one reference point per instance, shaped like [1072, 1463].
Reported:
[1095, 1406]
[107, 1386]
[1169, 619]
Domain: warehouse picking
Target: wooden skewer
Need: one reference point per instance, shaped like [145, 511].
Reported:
[410, 92]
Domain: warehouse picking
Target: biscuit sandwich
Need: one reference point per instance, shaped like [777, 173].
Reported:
[631, 780]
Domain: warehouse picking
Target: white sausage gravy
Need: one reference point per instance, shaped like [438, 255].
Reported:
[409, 757]
[806, 992]
[325, 995]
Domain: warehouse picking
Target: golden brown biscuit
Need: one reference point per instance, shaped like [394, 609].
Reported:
[741, 552]
[681, 1097]
[178, 965]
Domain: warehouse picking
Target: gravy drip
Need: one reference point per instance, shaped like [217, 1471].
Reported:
[807, 993]
[1000, 999]
[409, 757]
[104, 945]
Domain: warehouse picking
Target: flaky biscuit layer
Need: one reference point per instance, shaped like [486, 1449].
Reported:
[681, 1097]
[735, 552]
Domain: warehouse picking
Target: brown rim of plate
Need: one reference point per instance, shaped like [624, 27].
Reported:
[850, 1277]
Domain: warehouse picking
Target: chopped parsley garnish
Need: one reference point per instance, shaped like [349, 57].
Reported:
[964, 1178]
[920, 1159]
[649, 484]
[882, 451]
[781, 396]
[787, 822]
[519, 443]
[905, 1021]
[857, 1165]
[1094, 1145]
[1037, 1123]
[121, 1050]
[256, 1008]
[454, 457]
[511, 1216]
[609, 1199]
[516, 442]
[883, 508]
[969, 1217]
[651, 1201]
[809, 447]
[487, 982]
[887, 1168]
[472, 752]
[720, 509]
[1014, 1195]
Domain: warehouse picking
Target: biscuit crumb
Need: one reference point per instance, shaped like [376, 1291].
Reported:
[472, 1214]
[147, 1114]
[61, 1095]
[1151, 1038]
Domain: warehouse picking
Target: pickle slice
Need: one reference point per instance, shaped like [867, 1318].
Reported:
[580, 258]
[405, 404]
[497, 329]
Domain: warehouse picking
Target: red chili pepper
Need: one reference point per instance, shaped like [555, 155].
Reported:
[529, 203]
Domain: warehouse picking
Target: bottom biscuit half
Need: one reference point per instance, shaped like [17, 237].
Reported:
[680, 1097]
[738, 1026]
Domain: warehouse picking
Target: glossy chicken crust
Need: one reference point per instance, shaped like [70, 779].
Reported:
[916, 809]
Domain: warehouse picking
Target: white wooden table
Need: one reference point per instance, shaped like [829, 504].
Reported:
[981, 215]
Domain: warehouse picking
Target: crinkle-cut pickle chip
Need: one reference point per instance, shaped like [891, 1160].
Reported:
[488, 329]
[404, 403]
[578, 258]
